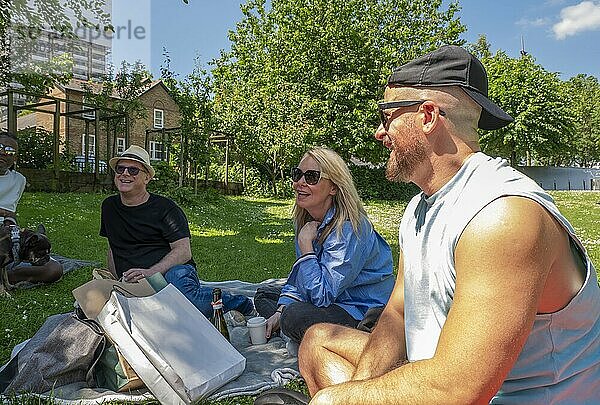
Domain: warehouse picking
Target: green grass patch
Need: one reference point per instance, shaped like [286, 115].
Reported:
[582, 209]
[243, 238]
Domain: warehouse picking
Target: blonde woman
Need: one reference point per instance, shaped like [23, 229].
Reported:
[343, 267]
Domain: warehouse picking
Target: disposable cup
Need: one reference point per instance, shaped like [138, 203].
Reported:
[257, 327]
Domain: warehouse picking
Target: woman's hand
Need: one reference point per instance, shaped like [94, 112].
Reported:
[307, 235]
[273, 324]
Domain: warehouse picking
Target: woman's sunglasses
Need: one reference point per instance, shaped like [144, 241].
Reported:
[311, 177]
[132, 170]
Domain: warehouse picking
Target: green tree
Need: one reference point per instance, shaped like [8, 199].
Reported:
[304, 73]
[534, 98]
[583, 93]
[193, 96]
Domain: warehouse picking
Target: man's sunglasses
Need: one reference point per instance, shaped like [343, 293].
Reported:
[311, 177]
[387, 105]
[132, 170]
[7, 150]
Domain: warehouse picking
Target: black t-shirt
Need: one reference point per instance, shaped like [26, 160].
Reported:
[139, 236]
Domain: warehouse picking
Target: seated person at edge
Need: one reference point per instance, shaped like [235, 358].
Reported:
[344, 267]
[148, 233]
[496, 299]
[12, 185]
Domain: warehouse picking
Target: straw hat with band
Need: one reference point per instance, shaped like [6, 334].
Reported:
[137, 154]
[453, 66]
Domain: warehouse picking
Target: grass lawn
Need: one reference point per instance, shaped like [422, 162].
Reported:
[232, 238]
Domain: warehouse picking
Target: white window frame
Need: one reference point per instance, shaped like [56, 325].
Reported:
[120, 145]
[90, 114]
[154, 150]
[159, 118]
[91, 145]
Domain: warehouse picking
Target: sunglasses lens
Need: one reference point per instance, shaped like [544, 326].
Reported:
[133, 171]
[312, 177]
[382, 118]
[7, 150]
[296, 174]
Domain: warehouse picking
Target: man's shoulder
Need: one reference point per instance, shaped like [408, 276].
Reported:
[14, 177]
[162, 201]
[19, 176]
[111, 200]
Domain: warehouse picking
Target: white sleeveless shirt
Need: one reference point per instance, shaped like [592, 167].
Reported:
[12, 185]
[561, 345]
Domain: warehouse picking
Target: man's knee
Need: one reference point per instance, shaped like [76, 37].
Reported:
[177, 273]
[315, 338]
[317, 334]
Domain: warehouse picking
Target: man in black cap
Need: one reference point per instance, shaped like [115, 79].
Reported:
[496, 299]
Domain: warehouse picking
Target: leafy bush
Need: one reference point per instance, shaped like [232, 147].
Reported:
[166, 183]
[257, 183]
[36, 150]
[166, 177]
[371, 184]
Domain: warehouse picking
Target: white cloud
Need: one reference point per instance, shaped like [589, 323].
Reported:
[584, 16]
[535, 22]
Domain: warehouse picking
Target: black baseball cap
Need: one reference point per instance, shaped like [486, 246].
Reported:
[452, 65]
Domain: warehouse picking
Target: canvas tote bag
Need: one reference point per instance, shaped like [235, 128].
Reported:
[113, 371]
[172, 347]
[64, 350]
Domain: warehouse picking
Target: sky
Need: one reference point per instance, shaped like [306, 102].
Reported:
[562, 35]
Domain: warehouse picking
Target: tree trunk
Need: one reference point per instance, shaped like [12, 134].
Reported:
[513, 158]
[274, 182]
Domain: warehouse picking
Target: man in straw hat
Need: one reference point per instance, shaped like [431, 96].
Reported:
[148, 233]
[496, 299]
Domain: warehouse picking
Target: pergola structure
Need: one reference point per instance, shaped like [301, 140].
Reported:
[223, 137]
[90, 113]
[93, 116]
[216, 137]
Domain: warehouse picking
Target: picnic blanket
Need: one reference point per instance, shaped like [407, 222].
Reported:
[68, 264]
[267, 366]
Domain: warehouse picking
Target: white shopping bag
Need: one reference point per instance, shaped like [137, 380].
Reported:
[173, 348]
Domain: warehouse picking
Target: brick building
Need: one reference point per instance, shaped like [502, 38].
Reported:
[78, 135]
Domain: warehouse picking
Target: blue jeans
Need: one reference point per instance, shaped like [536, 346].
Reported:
[185, 278]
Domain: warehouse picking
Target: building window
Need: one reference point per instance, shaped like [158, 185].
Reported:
[91, 115]
[120, 145]
[91, 145]
[159, 118]
[156, 150]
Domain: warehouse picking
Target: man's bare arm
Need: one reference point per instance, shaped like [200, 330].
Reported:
[110, 262]
[7, 213]
[502, 261]
[181, 252]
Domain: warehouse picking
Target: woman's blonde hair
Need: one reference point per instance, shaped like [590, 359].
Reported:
[347, 203]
